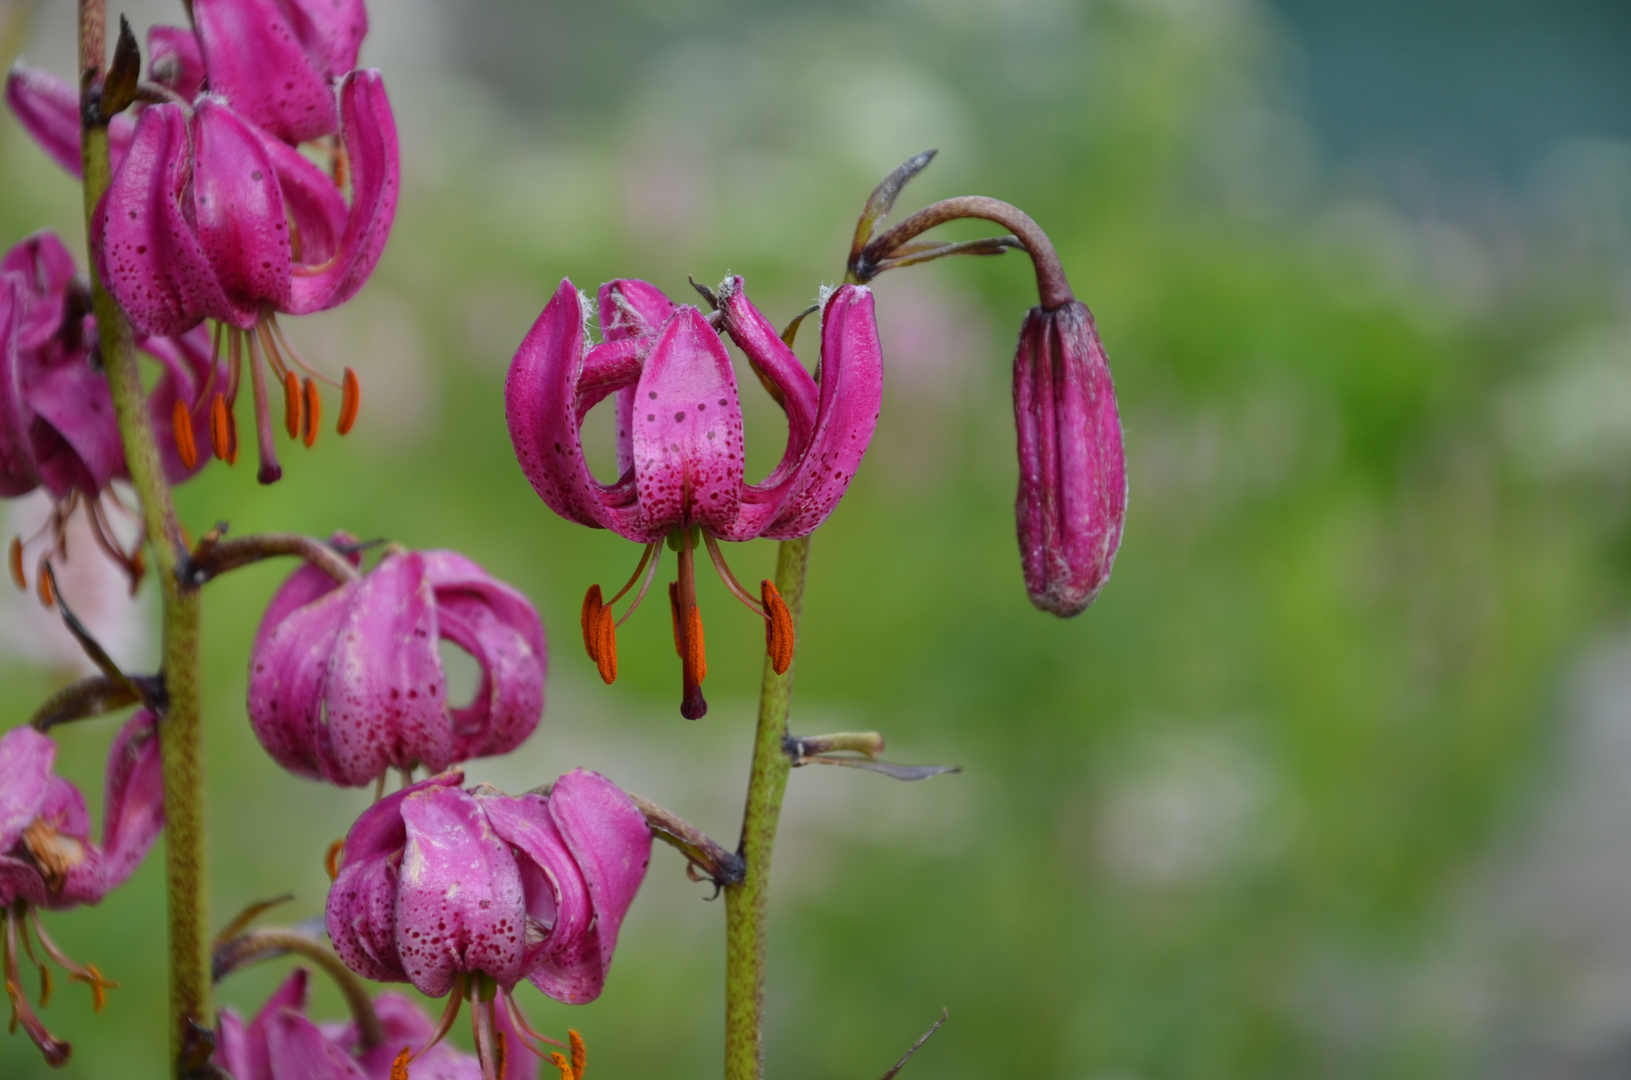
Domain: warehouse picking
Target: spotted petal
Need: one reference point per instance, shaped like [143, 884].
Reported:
[257, 61]
[608, 837]
[238, 207]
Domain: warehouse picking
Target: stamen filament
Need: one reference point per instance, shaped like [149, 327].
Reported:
[729, 578]
[202, 400]
[270, 350]
[481, 1026]
[455, 998]
[653, 552]
[55, 1050]
[235, 363]
[518, 1019]
[270, 319]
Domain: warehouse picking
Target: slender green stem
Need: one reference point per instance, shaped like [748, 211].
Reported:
[747, 903]
[180, 728]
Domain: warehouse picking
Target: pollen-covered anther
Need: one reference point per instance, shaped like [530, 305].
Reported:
[331, 859]
[350, 401]
[18, 578]
[562, 1064]
[579, 1054]
[399, 1067]
[221, 429]
[293, 400]
[181, 421]
[313, 414]
[779, 634]
[42, 585]
[599, 634]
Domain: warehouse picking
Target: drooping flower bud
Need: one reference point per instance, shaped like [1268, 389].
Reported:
[1072, 497]
[345, 681]
[48, 859]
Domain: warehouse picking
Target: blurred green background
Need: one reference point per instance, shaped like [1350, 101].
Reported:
[1335, 778]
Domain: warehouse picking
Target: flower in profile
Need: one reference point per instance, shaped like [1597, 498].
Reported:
[679, 440]
[209, 217]
[48, 859]
[57, 426]
[1072, 498]
[281, 1043]
[346, 681]
[465, 893]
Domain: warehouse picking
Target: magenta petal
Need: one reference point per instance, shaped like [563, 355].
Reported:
[239, 208]
[510, 698]
[82, 449]
[288, 672]
[316, 209]
[146, 250]
[451, 574]
[133, 799]
[19, 471]
[48, 109]
[459, 900]
[26, 758]
[290, 996]
[851, 391]
[369, 132]
[566, 964]
[297, 1050]
[47, 269]
[630, 307]
[258, 64]
[688, 429]
[608, 837]
[232, 1046]
[174, 59]
[331, 29]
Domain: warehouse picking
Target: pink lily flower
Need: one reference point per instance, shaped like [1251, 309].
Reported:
[345, 681]
[209, 218]
[57, 428]
[679, 440]
[1072, 499]
[48, 859]
[280, 1043]
[466, 893]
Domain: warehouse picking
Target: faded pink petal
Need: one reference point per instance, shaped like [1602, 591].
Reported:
[611, 842]
[26, 758]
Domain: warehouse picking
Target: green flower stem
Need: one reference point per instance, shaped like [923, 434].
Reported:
[180, 729]
[747, 903]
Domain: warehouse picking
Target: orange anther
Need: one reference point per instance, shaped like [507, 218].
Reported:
[696, 657]
[501, 1054]
[17, 576]
[314, 412]
[599, 634]
[220, 428]
[331, 859]
[562, 1064]
[43, 588]
[778, 628]
[579, 1055]
[350, 400]
[589, 618]
[181, 420]
[292, 400]
[399, 1067]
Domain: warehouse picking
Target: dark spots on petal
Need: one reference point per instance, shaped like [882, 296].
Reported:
[651, 416]
[653, 395]
[679, 416]
[256, 175]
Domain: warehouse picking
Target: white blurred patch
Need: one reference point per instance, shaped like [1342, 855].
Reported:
[1187, 808]
[94, 587]
[1575, 417]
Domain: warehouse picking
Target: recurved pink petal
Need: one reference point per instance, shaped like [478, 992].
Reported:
[79, 870]
[46, 268]
[232, 1046]
[459, 899]
[133, 798]
[369, 133]
[256, 61]
[332, 29]
[851, 391]
[146, 249]
[543, 404]
[510, 698]
[26, 758]
[239, 212]
[175, 60]
[385, 696]
[565, 962]
[76, 438]
[297, 1050]
[256, 1057]
[289, 670]
[19, 472]
[451, 574]
[611, 843]
[687, 429]
[48, 109]
[316, 209]
[630, 307]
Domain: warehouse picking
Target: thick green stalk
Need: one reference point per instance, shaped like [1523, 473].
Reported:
[180, 728]
[747, 904]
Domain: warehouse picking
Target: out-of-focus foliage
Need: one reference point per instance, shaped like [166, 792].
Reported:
[1216, 827]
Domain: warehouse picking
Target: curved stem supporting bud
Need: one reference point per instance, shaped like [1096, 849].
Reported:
[218, 556]
[254, 946]
[718, 865]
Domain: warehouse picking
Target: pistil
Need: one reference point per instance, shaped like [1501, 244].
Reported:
[682, 599]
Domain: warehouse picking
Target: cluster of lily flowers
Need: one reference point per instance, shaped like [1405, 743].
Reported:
[219, 213]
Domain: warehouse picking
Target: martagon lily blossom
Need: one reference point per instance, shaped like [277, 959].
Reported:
[48, 859]
[466, 893]
[680, 443]
[345, 681]
[57, 427]
[208, 217]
